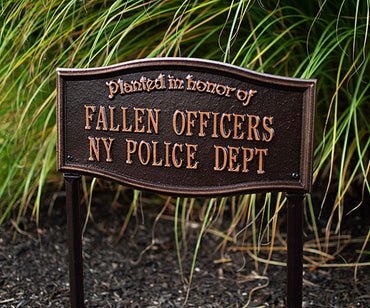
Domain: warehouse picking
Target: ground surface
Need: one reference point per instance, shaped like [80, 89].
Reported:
[34, 269]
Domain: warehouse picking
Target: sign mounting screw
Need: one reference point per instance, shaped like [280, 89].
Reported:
[69, 157]
[295, 175]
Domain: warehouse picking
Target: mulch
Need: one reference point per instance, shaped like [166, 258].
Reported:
[138, 272]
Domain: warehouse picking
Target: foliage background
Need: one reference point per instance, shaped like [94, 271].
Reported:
[319, 39]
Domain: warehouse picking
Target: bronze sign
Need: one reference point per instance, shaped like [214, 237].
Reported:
[186, 126]
[190, 127]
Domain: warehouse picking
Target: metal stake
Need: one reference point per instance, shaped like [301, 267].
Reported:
[295, 249]
[72, 183]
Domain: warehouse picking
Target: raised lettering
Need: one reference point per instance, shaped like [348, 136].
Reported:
[191, 149]
[108, 148]
[261, 153]
[202, 122]
[222, 126]
[218, 166]
[190, 122]
[191, 83]
[155, 162]
[201, 86]
[175, 123]
[220, 89]
[269, 131]
[238, 125]
[254, 121]
[250, 94]
[127, 88]
[175, 83]
[167, 155]
[215, 134]
[136, 85]
[153, 120]
[233, 154]
[94, 144]
[88, 116]
[211, 87]
[94, 147]
[112, 128]
[241, 95]
[140, 153]
[131, 149]
[102, 119]
[139, 120]
[247, 157]
[176, 163]
[143, 80]
[124, 121]
[228, 90]
[159, 83]
[113, 88]
[120, 83]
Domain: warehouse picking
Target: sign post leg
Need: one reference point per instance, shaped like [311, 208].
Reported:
[295, 249]
[72, 183]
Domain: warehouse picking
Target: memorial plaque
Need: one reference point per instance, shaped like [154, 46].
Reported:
[186, 127]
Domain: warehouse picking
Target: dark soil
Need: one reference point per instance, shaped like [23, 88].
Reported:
[134, 273]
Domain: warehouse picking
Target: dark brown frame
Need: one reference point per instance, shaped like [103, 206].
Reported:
[302, 184]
